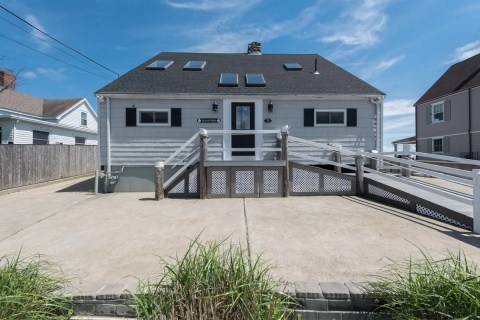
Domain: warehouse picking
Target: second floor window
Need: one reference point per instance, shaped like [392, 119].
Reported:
[83, 119]
[438, 112]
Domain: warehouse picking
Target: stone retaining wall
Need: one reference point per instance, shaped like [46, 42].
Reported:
[318, 301]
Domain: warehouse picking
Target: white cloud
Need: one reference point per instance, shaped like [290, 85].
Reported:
[465, 52]
[211, 5]
[218, 37]
[395, 128]
[360, 26]
[52, 74]
[34, 21]
[398, 107]
[29, 75]
[382, 66]
[399, 122]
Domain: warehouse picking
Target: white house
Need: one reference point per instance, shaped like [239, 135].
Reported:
[149, 112]
[25, 119]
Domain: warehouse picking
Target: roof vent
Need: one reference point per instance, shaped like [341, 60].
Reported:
[316, 68]
[254, 48]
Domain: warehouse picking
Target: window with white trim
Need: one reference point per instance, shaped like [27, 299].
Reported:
[80, 140]
[437, 145]
[154, 117]
[40, 137]
[330, 117]
[83, 121]
[438, 112]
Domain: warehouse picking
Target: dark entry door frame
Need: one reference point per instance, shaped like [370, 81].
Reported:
[243, 118]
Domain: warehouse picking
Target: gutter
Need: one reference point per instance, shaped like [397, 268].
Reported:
[378, 102]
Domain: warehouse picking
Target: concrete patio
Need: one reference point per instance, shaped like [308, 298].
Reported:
[108, 239]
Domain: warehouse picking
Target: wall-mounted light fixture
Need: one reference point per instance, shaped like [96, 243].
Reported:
[215, 106]
[270, 106]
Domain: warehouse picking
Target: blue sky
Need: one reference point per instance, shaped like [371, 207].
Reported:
[399, 46]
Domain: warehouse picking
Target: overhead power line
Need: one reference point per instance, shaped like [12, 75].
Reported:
[48, 43]
[52, 57]
[58, 41]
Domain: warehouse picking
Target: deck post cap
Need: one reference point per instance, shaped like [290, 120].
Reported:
[203, 132]
[285, 128]
[159, 165]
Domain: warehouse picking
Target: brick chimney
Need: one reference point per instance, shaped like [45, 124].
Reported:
[254, 48]
[7, 79]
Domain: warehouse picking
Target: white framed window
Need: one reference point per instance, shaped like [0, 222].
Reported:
[437, 145]
[40, 137]
[157, 117]
[438, 112]
[83, 117]
[80, 140]
[330, 117]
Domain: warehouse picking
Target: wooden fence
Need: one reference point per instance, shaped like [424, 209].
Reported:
[22, 165]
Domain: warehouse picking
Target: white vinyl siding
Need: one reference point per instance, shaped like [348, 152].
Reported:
[74, 118]
[24, 134]
[145, 145]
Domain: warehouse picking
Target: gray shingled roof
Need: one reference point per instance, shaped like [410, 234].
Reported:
[331, 80]
[460, 76]
[25, 103]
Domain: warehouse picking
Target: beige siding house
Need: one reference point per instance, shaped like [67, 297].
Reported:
[448, 114]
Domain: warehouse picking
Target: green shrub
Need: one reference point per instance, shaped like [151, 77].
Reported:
[213, 281]
[27, 289]
[448, 288]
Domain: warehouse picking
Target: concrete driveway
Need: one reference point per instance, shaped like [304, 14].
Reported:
[107, 238]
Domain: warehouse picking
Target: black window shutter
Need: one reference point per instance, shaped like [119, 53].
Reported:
[131, 117]
[176, 114]
[446, 144]
[351, 117]
[308, 117]
[429, 145]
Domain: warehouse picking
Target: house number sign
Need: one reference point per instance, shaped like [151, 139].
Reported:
[209, 120]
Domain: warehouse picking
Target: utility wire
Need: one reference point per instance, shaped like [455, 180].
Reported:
[48, 43]
[56, 40]
[52, 57]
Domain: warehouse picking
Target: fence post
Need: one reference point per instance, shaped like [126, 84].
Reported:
[406, 170]
[97, 174]
[159, 170]
[338, 159]
[374, 161]
[360, 174]
[202, 175]
[286, 170]
[476, 200]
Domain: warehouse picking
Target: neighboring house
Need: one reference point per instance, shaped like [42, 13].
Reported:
[25, 119]
[149, 112]
[448, 114]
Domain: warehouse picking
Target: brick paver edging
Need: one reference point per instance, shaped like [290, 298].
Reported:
[324, 300]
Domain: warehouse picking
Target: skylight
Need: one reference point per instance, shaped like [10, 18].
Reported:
[195, 65]
[160, 65]
[255, 80]
[292, 66]
[228, 80]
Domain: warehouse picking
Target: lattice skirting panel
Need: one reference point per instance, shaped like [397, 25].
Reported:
[244, 182]
[433, 214]
[401, 200]
[308, 180]
[186, 187]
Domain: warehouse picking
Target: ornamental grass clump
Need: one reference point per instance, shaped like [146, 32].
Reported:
[214, 281]
[448, 288]
[28, 288]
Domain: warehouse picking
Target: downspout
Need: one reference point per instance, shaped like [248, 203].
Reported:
[109, 161]
[470, 146]
[378, 102]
